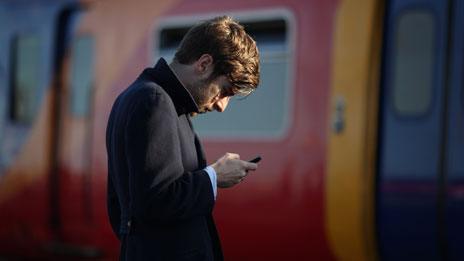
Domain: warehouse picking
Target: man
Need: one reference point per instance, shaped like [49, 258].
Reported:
[161, 193]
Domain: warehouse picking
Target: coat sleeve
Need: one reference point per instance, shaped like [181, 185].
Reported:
[113, 207]
[159, 186]
[114, 210]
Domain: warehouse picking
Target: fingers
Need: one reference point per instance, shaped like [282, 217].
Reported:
[232, 155]
[230, 170]
[237, 181]
[249, 166]
[233, 180]
[245, 165]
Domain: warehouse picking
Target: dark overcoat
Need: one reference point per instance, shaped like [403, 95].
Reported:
[160, 198]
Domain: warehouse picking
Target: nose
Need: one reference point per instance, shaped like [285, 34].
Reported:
[221, 104]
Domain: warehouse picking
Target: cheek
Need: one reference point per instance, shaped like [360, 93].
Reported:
[202, 95]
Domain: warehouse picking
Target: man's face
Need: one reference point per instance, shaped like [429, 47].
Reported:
[211, 94]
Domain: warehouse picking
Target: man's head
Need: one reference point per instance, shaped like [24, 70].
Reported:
[216, 60]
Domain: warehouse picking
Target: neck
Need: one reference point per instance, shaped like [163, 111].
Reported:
[183, 73]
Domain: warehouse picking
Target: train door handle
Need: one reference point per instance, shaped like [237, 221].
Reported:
[338, 117]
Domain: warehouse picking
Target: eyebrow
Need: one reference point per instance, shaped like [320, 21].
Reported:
[229, 91]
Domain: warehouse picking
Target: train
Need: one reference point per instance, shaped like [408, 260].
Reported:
[359, 120]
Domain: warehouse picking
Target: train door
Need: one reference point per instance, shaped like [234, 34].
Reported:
[454, 138]
[420, 193]
[3, 103]
[73, 128]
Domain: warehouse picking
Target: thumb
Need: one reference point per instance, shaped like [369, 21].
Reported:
[250, 166]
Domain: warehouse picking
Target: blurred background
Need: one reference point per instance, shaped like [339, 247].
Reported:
[359, 119]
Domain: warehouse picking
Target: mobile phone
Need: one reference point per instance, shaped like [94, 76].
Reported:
[255, 160]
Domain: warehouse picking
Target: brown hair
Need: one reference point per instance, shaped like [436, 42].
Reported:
[234, 52]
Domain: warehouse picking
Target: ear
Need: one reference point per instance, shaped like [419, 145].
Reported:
[204, 64]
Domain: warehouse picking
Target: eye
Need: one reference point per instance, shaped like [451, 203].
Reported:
[228, 91]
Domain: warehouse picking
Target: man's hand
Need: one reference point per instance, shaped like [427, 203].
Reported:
[230, 170]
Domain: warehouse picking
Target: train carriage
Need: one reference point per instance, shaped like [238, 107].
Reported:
[359, 119]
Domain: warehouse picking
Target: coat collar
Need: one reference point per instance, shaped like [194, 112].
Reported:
[163, 75]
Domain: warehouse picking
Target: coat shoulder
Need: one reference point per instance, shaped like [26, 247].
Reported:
[150, 94]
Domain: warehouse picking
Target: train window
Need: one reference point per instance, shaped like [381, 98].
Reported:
[81, 77]
[26, 64]
[265, 112]
[413, 62]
